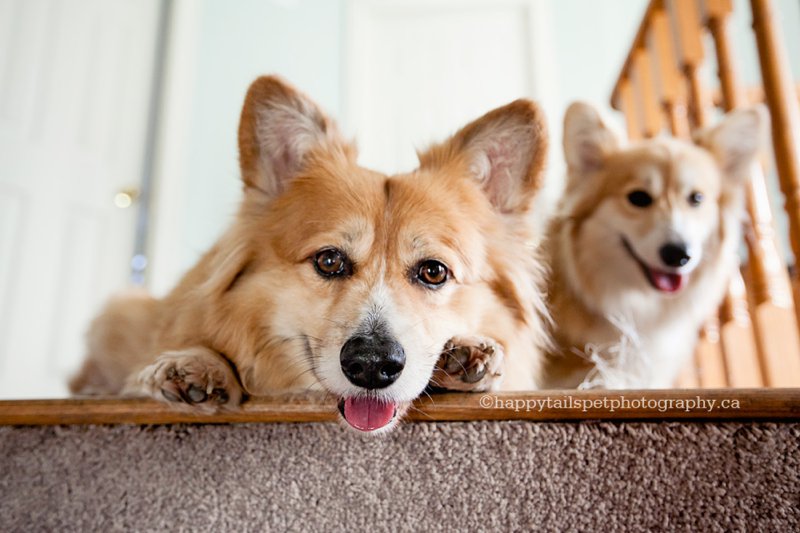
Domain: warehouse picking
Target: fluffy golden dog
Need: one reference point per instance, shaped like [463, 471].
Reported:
[642, 247]
[339, 278]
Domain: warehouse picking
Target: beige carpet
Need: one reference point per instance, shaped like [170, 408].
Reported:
[453, 476]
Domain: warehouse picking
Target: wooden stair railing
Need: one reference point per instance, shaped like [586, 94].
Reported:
[754, 340]
[711, 354]
[783, 107]
[770, 286]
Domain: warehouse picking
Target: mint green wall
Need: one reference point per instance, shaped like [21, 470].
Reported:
[302, 40]
[236, 42]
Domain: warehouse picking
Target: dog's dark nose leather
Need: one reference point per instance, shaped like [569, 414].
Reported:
[674, 255]
[372, 361]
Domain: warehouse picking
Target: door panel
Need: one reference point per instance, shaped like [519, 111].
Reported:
[75, 88]
[418, 70]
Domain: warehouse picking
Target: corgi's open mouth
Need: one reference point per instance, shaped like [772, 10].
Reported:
[366, 413]
[668, 282]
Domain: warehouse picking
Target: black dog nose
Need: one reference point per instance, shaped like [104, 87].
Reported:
[372, 361]
[674, 255]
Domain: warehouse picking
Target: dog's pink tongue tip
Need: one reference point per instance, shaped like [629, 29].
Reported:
[368, 414]
[666, 281]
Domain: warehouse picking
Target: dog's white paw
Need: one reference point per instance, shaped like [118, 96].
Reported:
[197, 378]
[469, 364]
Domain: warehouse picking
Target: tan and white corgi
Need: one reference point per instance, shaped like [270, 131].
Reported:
[338, 278]
[642, 247]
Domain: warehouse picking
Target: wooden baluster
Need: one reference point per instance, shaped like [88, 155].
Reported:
[742, 363]
[652, 119]
[736, 331]
[783, 106]
[684, 24]
[755, 93]
[673, 99]
[627, 104]
[686, 29]
[773, 310]
[671, 91]
[771, 277]
[625, 99]
[636, 99]
[710, 362]
[623, 96]
[688, 379]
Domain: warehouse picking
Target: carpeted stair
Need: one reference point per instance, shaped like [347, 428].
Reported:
[506, 475]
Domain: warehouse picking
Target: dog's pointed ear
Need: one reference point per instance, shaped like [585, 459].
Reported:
[587, 138]
[736, 141]
[278, 130]
[505, 150]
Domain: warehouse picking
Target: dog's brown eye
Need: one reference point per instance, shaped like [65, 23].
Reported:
[695, 199]
[331, 263]
[432, 273]
[640, 198]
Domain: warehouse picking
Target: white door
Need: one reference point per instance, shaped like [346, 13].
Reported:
[416, 70]
[75, 90]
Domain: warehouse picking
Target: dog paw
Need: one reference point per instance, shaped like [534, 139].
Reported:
[199, 379]
[469, 364]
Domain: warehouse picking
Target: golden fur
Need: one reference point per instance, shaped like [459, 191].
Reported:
[600, 299]
[253, 316]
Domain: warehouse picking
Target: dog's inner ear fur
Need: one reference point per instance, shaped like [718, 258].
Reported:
[278, 130]
[587, 139]
[736, 141]
[505, 150]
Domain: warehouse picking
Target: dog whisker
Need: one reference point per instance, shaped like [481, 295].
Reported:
[420, 411]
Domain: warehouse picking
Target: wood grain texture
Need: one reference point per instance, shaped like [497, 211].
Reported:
[617, 100]
[769, 284]
[645, 88]
[753, 404]
[630, 109]
[710, 356]
[687, 379]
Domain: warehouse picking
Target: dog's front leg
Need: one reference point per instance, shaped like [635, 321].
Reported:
[469, 364]
[197, 378]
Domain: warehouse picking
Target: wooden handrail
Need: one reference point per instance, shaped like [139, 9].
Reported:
[660, 405]
[754, 94]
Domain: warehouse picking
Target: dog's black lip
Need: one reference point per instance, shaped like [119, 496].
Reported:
[642, 265]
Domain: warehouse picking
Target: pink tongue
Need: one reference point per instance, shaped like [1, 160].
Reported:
[368, 414]
[665, 281]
